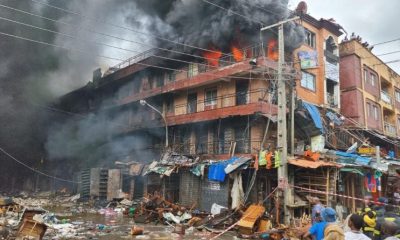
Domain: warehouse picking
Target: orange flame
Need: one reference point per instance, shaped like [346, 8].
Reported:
[212, 57]
[272, 51]
[238, 54]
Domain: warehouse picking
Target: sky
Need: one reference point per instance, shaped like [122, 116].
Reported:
[374, 21]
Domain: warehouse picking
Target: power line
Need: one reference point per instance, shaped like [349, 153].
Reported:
[121, 27]
[37, 171]
[104, 44]
[113, 58]
[105, 34]
[231, 11]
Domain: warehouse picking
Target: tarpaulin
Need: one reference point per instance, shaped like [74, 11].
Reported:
[358, 159]
[216, 171]
[316, 117]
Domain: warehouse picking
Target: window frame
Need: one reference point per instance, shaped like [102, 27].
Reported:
[212, 100]
[375, 108]
[397, 95]
[306, 85]
[310, 39]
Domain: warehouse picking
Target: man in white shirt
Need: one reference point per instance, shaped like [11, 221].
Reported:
[355, 224]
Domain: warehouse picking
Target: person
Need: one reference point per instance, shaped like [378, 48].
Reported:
[339, 210]
[318, 229]
[355, 224]
[369, 218]
[390, 216]
[316, 210]
[390, 229]
[332, 230]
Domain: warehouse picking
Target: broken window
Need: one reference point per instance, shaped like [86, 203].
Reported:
[310, 38]
[170, 107]
[171, 76]
[191, 103]
[159, 79]
[211, 97]
[308, 80]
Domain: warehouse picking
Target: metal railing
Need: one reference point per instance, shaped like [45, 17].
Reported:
[243, 146]
[390, 129]
[228, 100]
[386, 97]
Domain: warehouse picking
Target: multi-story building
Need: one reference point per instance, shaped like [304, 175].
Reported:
[370, 90]
[318, 59]
[214, 106]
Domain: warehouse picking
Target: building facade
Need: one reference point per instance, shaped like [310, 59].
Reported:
[370, 89]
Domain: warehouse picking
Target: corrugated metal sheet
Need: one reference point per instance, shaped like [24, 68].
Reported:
[189, 189]
[312, 164]
[214, 192]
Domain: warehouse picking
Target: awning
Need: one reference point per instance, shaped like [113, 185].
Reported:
[314, 113]
[312, 164]
[352, 170]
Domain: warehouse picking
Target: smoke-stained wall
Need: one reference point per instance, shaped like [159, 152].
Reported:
[32, 75]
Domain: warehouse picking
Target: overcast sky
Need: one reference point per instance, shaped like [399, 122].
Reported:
[375, 21]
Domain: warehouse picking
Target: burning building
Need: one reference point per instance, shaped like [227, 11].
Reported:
[206, 104]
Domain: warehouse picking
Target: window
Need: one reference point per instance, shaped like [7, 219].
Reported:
[171, 76]
[373, 79]
[369, 109]
[375, 112]
[211, 97]
[366, 75]
[170, 105]
[397, 95]
[193, 69]
[159, 78]
[310, 38]
[308, 80]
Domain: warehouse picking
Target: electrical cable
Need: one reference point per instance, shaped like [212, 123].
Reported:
[121, 27]
[34, 170]
[116, 59]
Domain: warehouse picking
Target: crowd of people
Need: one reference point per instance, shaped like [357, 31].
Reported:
[380, 221]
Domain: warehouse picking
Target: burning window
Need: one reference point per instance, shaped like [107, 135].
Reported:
[308, 80]
[310, 38]
[211, 97]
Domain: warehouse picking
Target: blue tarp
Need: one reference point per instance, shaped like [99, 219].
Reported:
[316, 117]
[358, 159]
[216, 171]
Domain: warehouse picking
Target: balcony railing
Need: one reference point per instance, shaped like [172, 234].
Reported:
[228, 100]
[386, 97]
[243, 146]
[390, 129]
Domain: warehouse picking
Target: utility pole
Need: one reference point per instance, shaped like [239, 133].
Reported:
[282, 125]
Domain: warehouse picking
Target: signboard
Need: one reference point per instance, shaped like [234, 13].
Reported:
[308, 59]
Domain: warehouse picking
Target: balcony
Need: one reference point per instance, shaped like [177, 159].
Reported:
[229, 105]
[385, 97]
[390, 129]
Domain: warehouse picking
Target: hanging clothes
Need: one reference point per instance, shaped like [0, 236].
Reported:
[268, 157]
[277, 159]
[261, 158]
[237, 192]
